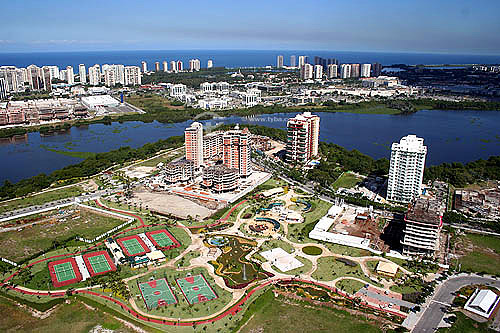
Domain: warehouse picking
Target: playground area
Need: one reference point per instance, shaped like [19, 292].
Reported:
[162, 239]
[133, 246]
[98, 263]
[157, 293]
[231, 264]
[64, 272]
[196, 289]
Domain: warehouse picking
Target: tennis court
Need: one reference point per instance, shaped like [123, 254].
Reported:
[196, 289]
[64, 272]
[157, 293]
[98, 263]
[133, 246]
[163, 239]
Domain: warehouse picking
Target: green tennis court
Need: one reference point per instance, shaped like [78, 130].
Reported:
[162, 239]
[157, 293]
[64, 271]
[133, 245]
[99, 263]
[196, 289]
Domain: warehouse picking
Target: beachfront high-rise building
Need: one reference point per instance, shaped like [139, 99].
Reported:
[35, 77]
[70, 75]
[366, 70]
[47, 79]
[302, 61]
[345, 71]
[306, 72]
[376, 69]
[14, 78]
[406, 171]
[194, 65]
[95, 75]
[355, 70]
[180, 66]
[3, 88]
[193, 140]
[82, 71]
[237, 151]
[332, 71]
[279, 61]
[173, 66]
[157, 66]
[302, 138]
[210, 63]
[53, 70]
[165, 66]
[318, 72]
[132, 75]
[144, 66]
[293, 62]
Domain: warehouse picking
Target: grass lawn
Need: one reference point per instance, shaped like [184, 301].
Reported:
[485, 256]
[329, 269]
[274, 243]
[163, 158]
[270, 314]
[349, 286]
[299, 233]
[300, 270]
[465, 325]
[312, 250]
[39, 199]
[18, 245]
[182, 309]
[74, 317]
[347, 180]
[186, 260]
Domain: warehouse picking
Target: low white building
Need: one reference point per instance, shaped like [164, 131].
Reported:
[96, 102]
[482, 302]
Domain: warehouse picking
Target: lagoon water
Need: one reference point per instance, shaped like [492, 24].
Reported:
[451, 136]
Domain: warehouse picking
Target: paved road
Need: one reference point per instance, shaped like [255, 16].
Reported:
[436, 310]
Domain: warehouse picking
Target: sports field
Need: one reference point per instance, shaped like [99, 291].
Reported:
[157, 293]
[196, 289]
[64, 272]
[133, 246]
[162, 239]
[98, 263]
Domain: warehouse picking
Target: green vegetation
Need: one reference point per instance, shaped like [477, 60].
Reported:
[74, 317]
[55, 229]
[484, 257]
[350, 286]
[41, 198]
[271, 314]
[312, 250]
[464, 324]
[347, 180]
[329, 268]
[77, 154]
[88, 167]
[274, 243]
[185, 261]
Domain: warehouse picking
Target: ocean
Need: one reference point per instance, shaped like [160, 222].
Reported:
[232, 58]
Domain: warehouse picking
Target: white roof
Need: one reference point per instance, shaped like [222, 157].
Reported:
[155, 255]
[324, 224]
[482, 302]
[272, 191]
[99, 100]
[284, 261]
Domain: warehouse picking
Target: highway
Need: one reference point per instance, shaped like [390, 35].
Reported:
[442, 298]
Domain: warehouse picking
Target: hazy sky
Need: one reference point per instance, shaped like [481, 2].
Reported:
[444, 26]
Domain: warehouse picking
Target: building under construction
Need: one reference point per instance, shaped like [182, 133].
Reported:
[423, 223]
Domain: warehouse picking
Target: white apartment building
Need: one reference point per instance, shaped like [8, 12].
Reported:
[318, 72]
[332, 71]
[210, 63]
[144, 66]
[82, 71]
[302, 61]
[208, 87]
[279, 61]
[306, 71]
[70, 75]
[53, 70]
[165, 66]
[237, 150]
[406, 171]
[252, 97]
[14, 78]
[193, 140]
[177, 90]
[173, 66]
[365, 70]
[292, 61]
[345, 71]
[3, 89]
[302, 137]
[132, 76]
[95, 75]
[113, 74]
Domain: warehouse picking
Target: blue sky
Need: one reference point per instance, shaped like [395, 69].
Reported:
[440, 26]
